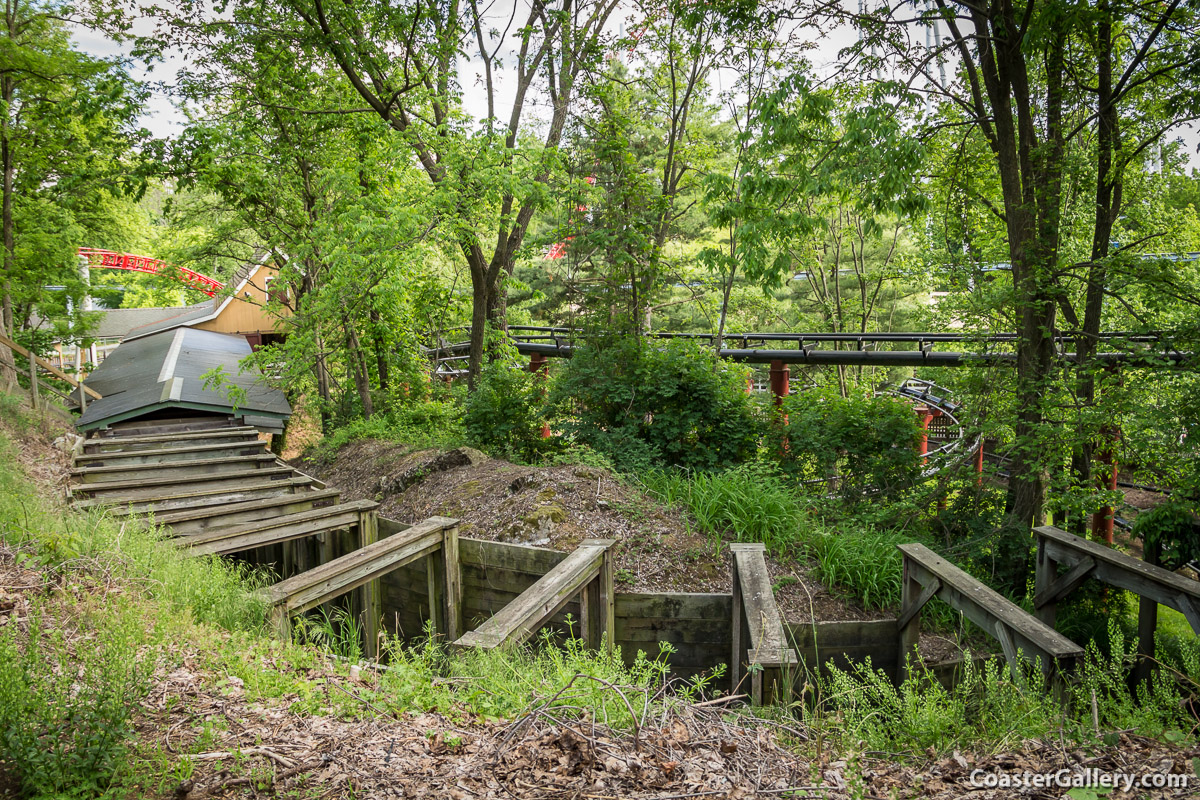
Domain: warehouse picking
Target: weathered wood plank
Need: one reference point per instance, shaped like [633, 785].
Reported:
[181, 469]
[211, 518]
[674, 605]
[145, 486]
[1121, 570]
[163, 455]
[356, 569]
[1060, 587]
[128, 443]
[985, 607]
[515, 557]
[519, 619]
[277, 530]
[170, 501]
[758, 600]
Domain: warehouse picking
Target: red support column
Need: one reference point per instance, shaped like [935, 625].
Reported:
[539, 365]
[979, 463]
[924, 415]
[779, 381]
[1106, 458]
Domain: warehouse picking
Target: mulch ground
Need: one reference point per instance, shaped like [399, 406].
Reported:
[558, 507]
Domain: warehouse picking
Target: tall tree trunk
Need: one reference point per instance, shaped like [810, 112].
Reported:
[381, 354]
[8, 368]
[358, 370]
[323, 391]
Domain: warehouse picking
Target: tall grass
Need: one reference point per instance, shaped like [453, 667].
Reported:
[420, 425]
[749, 503]
[563, 678]
[210, 589]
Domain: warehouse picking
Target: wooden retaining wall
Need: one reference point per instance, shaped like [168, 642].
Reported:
[697, 625]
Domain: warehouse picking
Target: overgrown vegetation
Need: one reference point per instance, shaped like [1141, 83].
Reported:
[989, 707]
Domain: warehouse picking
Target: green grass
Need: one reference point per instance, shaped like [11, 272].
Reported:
[749, 503]
[860, 709]
[421, 425]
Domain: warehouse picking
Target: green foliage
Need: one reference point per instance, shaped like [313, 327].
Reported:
[984, 708]
[863, 562]
[337, 634]
[1173, 529]
[865, 442]
[1156, 710]
[565, 676]
[65, 707]
[643, 405]
[503, 416]
[419, 424]
[987, 708]
[748, 503]
[207, 589]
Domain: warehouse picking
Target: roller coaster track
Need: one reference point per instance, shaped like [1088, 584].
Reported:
[110, 259]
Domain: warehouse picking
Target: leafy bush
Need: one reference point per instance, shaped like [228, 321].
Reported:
[1173, 529]
[504, 414]
[749, 503]
[421, 424]
[643, 405]
[865, 442]
[65, 708]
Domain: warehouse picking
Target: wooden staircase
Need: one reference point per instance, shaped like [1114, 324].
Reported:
[218, 491]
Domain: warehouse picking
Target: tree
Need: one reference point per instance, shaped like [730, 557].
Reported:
[409, 65]
[1022, 78]
[67, 138]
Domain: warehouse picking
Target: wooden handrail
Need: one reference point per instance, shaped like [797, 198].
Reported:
[928, 575]
[759, 641]
[588, 570]
[46, 365]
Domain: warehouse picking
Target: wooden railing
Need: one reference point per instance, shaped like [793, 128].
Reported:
[1085, 559]
[928, 575]
[759, 642]
[362, 567]
[587, 572]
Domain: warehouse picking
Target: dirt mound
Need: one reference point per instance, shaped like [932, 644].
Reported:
[558, 507]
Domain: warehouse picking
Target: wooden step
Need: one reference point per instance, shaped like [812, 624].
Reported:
[144, 486]
[160, 427]
[198, 520]
[170, 499]
[276, 530]
[164, 455]
[129, 443]
[309, 589]
[178, 470]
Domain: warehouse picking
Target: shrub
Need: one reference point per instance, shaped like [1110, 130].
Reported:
[1173, 530]
[419, 424]
[504, 415]
[865, 442]
[65, 706]
[644, 405]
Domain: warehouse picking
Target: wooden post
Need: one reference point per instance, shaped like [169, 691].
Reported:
[79, 377]
[603, 606]
[435, 583]
[910, 632]
[738, 635]
[33, 381]
[451, 584]
[1047, 572]
[368, 533]
[1147, 621]
[979, 463]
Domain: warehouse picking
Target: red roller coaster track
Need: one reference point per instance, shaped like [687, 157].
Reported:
[109, 259]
